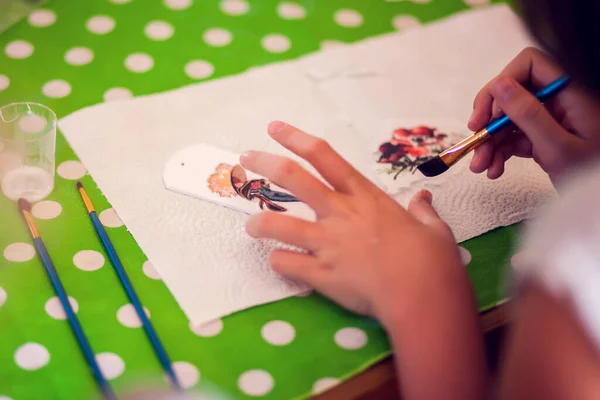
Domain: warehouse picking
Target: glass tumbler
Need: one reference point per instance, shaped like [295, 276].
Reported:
[27, 151]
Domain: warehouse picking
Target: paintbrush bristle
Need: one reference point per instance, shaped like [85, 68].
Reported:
[433, 167]
[24, 205]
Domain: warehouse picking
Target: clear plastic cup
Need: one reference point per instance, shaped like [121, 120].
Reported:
[27, 151]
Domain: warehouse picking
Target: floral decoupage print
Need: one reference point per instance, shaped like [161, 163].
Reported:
[407, 146]
[214, 175]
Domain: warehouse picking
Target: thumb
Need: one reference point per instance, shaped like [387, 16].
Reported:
[420, 207]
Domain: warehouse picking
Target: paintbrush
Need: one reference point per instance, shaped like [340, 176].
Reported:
[82, 341]
[453, 154]
[157, 346]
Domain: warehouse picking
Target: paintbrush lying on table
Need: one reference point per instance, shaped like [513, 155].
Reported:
[82, 341]
[452, 155]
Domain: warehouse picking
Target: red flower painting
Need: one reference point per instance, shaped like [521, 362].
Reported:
[408, 148]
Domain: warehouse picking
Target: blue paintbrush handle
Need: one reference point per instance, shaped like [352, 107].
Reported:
[135, 301]
[544, 94]
[84, 344]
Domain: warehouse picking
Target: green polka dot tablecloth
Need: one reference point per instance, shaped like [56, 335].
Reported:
[71, 54]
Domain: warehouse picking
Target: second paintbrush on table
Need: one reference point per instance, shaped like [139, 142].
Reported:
[158, 347]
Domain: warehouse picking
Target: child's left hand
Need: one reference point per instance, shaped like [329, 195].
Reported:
[374, 257]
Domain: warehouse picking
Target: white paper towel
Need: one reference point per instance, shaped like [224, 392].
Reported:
[201, 250]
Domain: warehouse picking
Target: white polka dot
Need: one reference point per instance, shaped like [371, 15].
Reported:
[127, 316]
[187, 375]
[110, 219]
[149, 271]
[4, 82]
[256, 382]
[32, 356]
[351, 338]
[405, 22]
[19, 252]
[139, 62]
[71, 170]
[5, 397]
[57, 89]
[177, 4]
[475, 3]
[159, 30]
[111, 365]
[79, 56]
[88, 260]
[331, 44]
[32, 123]
[209, 329]
[18, 49]
[42, 18]
[465, 256]
[235, 7]
[199, 69]
[348, 18]
[117, 93]
[46, 209]
[324, 384]
[291, 11]
[100, 24]
[217, 37]
[278, 333]
[276, 43]
[55, 309]
[3, 296]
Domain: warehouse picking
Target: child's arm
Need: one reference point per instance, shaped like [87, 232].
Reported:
[374, 257]
[439, 343]
[550, 355]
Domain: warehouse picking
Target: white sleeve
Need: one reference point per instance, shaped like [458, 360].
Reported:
[561, 249]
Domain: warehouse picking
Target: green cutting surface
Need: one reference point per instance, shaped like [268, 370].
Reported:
[72, 54]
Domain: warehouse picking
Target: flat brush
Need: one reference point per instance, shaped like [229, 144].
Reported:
[453, 154]
[82, 341]
[157, 346]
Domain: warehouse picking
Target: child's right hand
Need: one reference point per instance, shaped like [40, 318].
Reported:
[565, 132]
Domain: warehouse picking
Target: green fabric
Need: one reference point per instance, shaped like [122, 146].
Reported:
[220, 359]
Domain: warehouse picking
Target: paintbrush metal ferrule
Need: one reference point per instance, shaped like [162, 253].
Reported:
[455, 153]
[31, 224]
[86, 200]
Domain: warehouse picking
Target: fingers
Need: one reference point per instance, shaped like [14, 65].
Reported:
[420, 207]
[514, 145]
[534, 67]
[494, 152]
[286, 229]
[299, 267]
[290, 175]
[484, 154]
[530, 68]
[533, 119]
[337, 171]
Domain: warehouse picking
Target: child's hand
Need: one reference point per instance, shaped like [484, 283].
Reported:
[365, 251]
[557, 136]
[373, 257]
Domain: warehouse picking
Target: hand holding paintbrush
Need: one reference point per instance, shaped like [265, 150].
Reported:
[453, 154]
